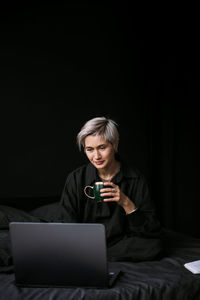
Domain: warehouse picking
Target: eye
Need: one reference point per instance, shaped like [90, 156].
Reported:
[102, 147]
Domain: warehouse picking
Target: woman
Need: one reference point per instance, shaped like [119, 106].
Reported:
[132, 230]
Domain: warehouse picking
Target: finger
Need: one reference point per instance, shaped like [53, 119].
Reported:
[110, 199]
[109, 183]
[108, 190]
[108, 194]
[108, 186]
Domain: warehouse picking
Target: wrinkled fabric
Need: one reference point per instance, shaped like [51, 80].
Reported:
[150, 280]
[10, 214]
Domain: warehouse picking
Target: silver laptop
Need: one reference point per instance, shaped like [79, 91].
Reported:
[60, 254]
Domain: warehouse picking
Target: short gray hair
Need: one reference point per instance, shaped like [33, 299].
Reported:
[102, 126]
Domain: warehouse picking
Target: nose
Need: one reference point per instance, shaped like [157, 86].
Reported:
[97, 155]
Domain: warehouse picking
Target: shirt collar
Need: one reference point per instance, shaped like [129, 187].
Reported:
[125, 171]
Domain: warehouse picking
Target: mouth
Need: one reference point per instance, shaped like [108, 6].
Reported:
[98, 163]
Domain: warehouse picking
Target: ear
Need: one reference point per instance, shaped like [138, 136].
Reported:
[115, 145]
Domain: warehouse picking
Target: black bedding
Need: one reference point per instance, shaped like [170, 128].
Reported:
[163, 279]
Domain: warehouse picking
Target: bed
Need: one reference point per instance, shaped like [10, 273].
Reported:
[163, 279]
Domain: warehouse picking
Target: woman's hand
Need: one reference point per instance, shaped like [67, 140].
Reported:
[118, 196]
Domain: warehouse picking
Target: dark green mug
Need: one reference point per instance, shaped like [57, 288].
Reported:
[97, 186]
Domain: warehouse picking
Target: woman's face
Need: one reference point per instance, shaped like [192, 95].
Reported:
[100, 152]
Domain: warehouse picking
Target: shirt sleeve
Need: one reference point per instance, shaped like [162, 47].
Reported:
[69, 200]
[132, 211]
[143, 221]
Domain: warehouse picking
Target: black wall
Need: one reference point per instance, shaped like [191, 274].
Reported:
[62, 64]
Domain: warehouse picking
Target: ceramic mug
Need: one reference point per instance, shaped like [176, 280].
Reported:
[97, 186]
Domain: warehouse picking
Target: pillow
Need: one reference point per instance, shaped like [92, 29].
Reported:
[48, 213]
[5, 250]
[10, 214]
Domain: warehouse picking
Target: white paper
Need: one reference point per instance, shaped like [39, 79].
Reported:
[193, 266]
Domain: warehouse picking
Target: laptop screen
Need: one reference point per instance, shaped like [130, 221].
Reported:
[59, 254]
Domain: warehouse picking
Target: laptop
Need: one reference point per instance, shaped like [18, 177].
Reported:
[60, 254]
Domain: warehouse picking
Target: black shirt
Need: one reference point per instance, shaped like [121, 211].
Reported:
[79, 208]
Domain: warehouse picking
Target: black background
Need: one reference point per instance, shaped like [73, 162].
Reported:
[62, 63]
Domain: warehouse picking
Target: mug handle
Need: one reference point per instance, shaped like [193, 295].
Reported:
[88, 186]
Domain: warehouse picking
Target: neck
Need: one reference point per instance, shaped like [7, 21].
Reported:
[108, 173]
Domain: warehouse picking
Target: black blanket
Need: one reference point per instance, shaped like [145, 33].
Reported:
[163, 279]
